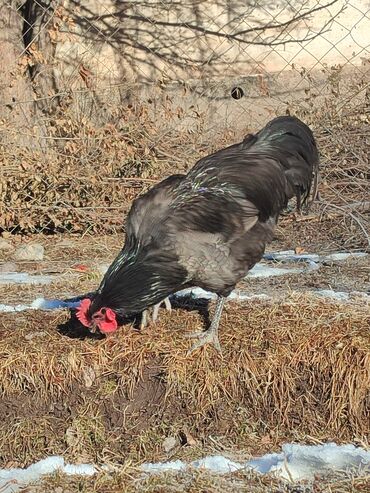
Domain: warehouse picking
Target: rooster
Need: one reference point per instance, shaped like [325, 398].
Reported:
[207, 228]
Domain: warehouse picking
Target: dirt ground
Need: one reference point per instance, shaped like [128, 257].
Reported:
[293, 368]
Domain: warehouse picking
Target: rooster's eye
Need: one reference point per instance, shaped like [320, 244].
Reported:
[103, 311]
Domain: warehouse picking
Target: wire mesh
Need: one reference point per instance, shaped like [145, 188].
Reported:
[102, 98]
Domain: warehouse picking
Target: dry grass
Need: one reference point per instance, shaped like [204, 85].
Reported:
[290, 370]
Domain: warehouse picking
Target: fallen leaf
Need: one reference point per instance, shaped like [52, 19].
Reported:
[187, 438]
[80, 267]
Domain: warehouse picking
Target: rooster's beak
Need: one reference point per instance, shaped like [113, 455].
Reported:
[93, 328]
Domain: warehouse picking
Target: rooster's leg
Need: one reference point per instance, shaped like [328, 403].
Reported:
[211, 334]
[144, 319]
[145, 314]
[167, 304]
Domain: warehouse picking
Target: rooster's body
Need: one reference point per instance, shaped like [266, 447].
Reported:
[210, 227]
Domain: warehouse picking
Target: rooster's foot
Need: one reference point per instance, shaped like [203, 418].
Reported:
[210, 336]
[207, 337]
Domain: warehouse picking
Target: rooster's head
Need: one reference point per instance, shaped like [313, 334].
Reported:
[103, 319]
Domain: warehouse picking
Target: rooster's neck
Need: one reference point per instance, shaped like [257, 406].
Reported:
[139, 279]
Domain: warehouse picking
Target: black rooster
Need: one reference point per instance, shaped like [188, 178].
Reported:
[207, 228]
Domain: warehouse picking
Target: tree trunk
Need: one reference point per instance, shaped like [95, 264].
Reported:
[41, 47]
[17, 106]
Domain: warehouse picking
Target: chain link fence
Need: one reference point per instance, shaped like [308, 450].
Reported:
[100, 99]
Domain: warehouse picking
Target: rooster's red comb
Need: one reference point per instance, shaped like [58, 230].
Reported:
[82, 312]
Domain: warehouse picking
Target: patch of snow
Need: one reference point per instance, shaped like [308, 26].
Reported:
[300, 462]
[40, 304]
[265, 464]
[335, 257]
[218, 463]
[291, 256]
[238, 295]
[243, 296]
[15, 308]
[264, 270]
[330, 293]
[281, 253]
[295, 462]
[79, 469]
[13, 480]
[24, 278]
[159, 467]
[199, 293]
[261, 270]
[340, 295]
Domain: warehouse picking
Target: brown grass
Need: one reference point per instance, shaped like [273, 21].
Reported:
[298, 369]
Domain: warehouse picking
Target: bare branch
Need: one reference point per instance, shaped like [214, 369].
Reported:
[345, 211]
